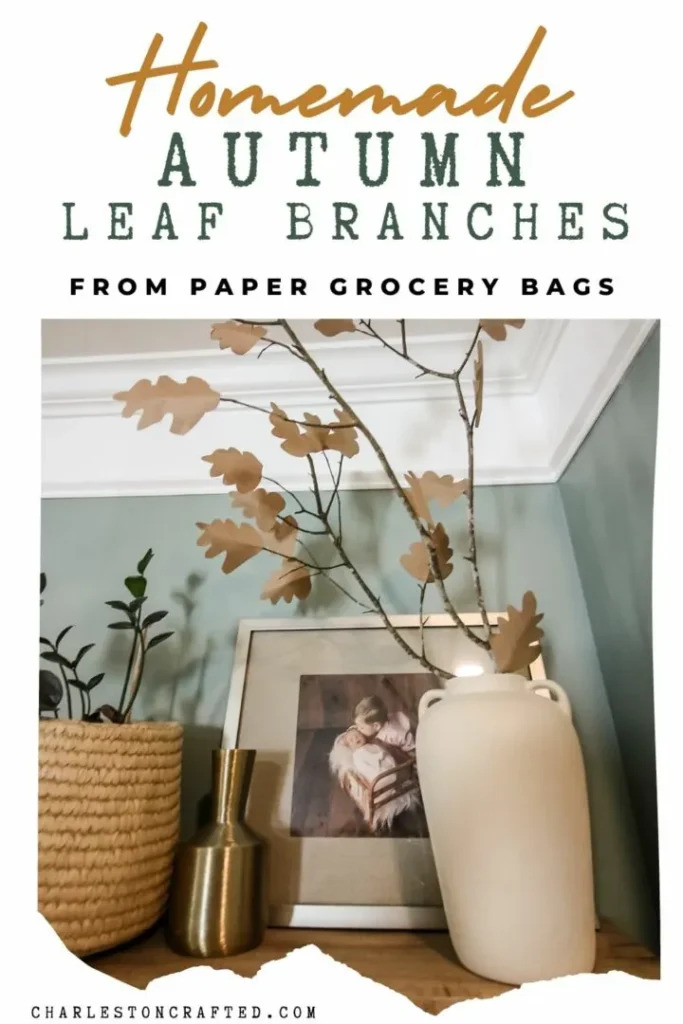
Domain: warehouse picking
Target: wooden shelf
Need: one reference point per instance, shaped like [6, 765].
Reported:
[421, 965]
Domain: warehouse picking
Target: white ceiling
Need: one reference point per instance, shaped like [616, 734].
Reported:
[544, 388]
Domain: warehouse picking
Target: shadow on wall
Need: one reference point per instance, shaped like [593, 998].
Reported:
[176, 685]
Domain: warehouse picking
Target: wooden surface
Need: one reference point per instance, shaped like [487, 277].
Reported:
[421, 965]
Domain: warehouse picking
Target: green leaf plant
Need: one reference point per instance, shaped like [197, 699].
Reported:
[75, 685]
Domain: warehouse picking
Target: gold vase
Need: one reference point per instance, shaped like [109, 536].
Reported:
[218, 904]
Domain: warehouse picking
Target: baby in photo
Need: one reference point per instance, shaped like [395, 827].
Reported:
[366, 757]
[373, 720]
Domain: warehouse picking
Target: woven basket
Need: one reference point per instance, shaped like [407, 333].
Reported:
[108, 821]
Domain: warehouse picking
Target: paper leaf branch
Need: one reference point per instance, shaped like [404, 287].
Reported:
[432, 487]
[316, 436]
[291, 579]
[239, 338]
[498, 329]
[517, 643]
[331, 328]
[185, 401]
[417, 562]
[239, 468]
[240, 542]
[261, 505]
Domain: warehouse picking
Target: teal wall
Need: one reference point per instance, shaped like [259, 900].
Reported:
[89, 545]
[607, 492]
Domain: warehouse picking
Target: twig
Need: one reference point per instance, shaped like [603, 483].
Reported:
[423, 591]
[332, 580]
[288, 419]
[403, 353]
[472, 558]
[404, 340]
[372, 598]
[336, 481]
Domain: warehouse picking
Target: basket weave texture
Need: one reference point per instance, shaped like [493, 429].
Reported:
[108, 822]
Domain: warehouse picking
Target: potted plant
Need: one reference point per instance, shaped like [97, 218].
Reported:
[109, 789]
[501, 770]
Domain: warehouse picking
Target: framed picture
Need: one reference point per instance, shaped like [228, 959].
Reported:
[330, 706]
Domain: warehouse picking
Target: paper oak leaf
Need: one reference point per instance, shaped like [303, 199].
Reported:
[478, 383]
[498, 329]
[240, 338]
[261, 505]
[282, 537]
[185, 401]
[517, 643]
[331, 328]
[417, 562]
[239, 468]
[432, 487]
[238, 543]
[315, 436]
[290, 580]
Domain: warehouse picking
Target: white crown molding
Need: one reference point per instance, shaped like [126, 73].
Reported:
[83, 386]
[601, 388]
[542, 395]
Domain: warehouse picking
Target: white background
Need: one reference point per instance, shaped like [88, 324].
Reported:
[613, 142]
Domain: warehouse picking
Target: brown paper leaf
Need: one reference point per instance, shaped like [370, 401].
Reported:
[417, 561]
[316, 436]
[239, 468]
[238, 543]
[478, 383]
[261, 505]
[417, 498]
[498, 329]
[294, 441]
[516, 644]
[290, 580]
[240, 338]
[430, 486]
[328, 438]
[330, 328]
[282, 537]
[344, 440]
[185, 401]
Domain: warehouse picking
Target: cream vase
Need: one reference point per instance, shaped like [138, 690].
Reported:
[504, 791]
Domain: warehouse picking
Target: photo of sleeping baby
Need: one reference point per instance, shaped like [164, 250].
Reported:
[354, 765]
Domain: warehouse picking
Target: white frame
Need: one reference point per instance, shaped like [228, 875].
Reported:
[310, 915]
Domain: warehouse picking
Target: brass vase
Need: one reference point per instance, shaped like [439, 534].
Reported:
[218, 904]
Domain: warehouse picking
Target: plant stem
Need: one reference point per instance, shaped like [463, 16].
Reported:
[140, 667]
[67, 689]
[129, 668]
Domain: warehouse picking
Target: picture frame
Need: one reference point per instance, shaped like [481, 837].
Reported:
[273, 658]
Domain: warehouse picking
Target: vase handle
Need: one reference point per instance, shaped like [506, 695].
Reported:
[559, 695]
[427, 699]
